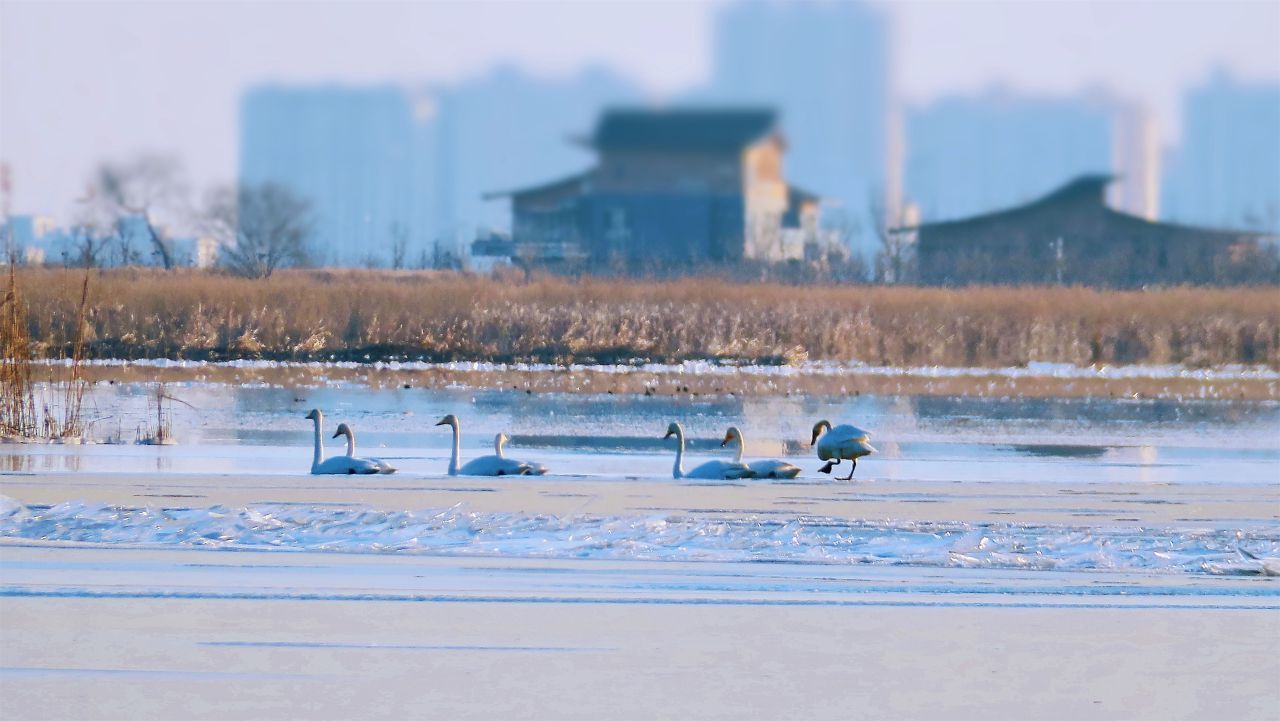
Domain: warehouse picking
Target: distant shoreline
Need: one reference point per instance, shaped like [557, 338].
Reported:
[711, 379]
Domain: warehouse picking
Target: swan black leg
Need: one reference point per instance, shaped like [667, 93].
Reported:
[827, 468]
[854, 462]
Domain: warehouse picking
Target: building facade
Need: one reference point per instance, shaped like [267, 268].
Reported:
[1227, 168]
[1071, 236]
[37, 240]
[968, 154]
[828, 69]
[670, 187]
[351, 152]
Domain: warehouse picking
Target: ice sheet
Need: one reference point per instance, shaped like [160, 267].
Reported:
[458, 531]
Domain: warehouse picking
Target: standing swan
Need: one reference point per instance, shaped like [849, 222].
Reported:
[722, 470]
[535, 469]
[484, 465]
[337, 464]
[771, 468]
[844, 442]
[345, 430]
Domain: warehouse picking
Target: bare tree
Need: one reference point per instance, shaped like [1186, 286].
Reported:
[399, 244]
[895, 259]
[89, 246]
[260, 228]
[141, 188]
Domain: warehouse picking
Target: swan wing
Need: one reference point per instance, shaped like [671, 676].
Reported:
[843, 442]
[345, 465]
[494, 466]
[855, 448]
[383, 466]
[721, 470]
[849, 432]
[535, 469]
[774, 468]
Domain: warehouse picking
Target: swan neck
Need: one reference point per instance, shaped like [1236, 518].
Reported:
[497, 445]
[742, 442]
[317, 456]
[457, 449]
[351, 443]
[677, 471]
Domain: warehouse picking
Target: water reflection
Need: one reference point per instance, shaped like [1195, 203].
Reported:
[237, 428]
[1061, 451]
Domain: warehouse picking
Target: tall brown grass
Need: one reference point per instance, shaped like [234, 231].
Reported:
[59, 413]
[17, 402]
[359, 315]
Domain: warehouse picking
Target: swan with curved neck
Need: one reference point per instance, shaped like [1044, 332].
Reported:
[722, 470]
[484, 465]
[338, 464]
[346, 430]
[771, 468]
[535, 469]
[843, 442]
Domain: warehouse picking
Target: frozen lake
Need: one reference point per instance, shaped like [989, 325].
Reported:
[1006, 454]
[233, 429]
[1121, 543]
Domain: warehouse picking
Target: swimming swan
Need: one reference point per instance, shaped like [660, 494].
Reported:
[844, 442]
[723, 470]
[345, 430]
[535, 469]
[771, 468]
[337, 464]
[484, 465]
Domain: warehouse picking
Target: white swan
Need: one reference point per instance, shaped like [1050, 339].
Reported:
[535, 469]
[345, 430]
[337, 464]
[844, 442]
[771, 468]
[723, 470]
[484, 465]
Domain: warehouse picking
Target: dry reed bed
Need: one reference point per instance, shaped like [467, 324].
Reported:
[439, 316]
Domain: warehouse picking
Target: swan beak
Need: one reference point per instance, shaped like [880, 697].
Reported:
[335, 435]
[442, 422]
[726, 440]
[669, 434]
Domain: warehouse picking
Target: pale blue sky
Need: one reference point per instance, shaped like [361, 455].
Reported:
[84, 81]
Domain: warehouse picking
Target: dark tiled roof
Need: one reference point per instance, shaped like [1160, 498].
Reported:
[683, 129]
[572, 180]
[1089, 189]
[797, 194]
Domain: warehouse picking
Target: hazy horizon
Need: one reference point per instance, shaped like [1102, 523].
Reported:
[81, 83]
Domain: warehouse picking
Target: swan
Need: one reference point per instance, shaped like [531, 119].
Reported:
[484, 465]
[771, 468]
[345, 430]
[844, 442]
[535, 469]
[337, 464]
[723, 470]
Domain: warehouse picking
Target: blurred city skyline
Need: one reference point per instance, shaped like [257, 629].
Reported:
[169, 78]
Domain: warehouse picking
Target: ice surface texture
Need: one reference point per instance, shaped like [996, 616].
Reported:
[457, 531]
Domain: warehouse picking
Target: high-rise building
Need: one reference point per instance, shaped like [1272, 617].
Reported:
[505, 130]
[1135, 161]
[826, 68]
[969, 155]
[385, 167]
[1226, 171]
[355, 153]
